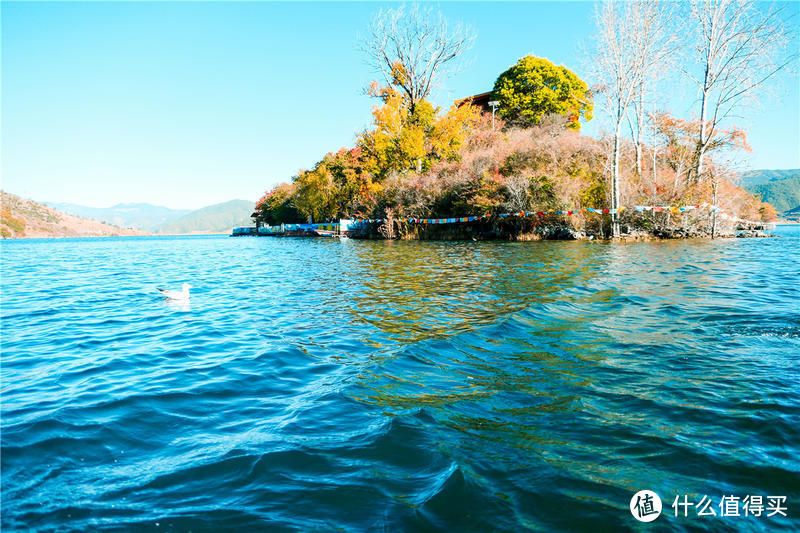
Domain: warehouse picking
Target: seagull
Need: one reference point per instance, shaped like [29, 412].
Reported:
[177, 295]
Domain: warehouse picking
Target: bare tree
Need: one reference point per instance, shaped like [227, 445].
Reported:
[414, 48]
[635, 118]
[739, 45]
[657, 44]
[518, 191]
[629, 41]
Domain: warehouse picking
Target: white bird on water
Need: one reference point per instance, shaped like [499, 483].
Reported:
[177, 295]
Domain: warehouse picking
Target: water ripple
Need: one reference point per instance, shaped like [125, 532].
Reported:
[319, 385]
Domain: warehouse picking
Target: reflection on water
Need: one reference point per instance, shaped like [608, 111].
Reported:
[178, 305]
[323, 384]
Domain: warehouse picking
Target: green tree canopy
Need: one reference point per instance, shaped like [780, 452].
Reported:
[277, 206]
[535, 87]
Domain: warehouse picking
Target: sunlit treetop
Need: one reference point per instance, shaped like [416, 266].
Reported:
[534, 88]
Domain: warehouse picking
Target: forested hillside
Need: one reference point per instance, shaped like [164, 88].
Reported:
[25, 218]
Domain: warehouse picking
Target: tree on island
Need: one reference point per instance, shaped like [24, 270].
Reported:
[737, 47]
[679, 147]
[337, 187]
[629, 39]
[277, 205]
[535, 87]
[406, 138]
[413, 48]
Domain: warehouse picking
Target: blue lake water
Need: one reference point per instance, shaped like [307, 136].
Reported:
[319, 384]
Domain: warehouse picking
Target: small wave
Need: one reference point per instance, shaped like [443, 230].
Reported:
[392, 386]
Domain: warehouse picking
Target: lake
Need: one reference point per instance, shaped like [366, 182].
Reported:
[318, 384]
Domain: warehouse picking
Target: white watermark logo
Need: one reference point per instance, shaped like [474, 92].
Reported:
[645, 506]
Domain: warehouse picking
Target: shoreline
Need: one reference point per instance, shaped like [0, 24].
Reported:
[529, 230]
[549, 233]
[55, 237]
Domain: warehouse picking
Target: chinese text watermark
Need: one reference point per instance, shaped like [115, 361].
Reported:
[646, 506]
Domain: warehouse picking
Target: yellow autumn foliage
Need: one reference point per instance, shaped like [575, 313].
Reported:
[403, 140]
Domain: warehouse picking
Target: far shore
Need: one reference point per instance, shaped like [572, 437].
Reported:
[111, 236]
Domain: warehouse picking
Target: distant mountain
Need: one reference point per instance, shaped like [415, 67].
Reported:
[217, 218]
[781, 188]
[25, 218]
[792, 214]
[141, 216]
[759, 177]
[782, 194]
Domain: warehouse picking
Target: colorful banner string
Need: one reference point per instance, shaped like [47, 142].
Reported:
[523, 214]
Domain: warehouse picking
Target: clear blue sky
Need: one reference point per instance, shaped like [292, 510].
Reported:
[189, 104]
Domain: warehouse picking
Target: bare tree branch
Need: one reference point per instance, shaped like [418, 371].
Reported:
[414, 48]
[739, 47]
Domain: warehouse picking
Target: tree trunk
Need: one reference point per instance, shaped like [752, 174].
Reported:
[714, 213]
[703, 139]
[615, 182]
[655, 155]
[655, 173]
[639, 124]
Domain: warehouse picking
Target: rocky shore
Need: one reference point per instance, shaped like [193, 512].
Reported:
[526, 230]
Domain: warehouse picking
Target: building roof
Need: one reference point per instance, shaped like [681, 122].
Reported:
[480, 100]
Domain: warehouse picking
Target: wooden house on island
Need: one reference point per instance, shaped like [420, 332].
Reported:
[478, 100]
